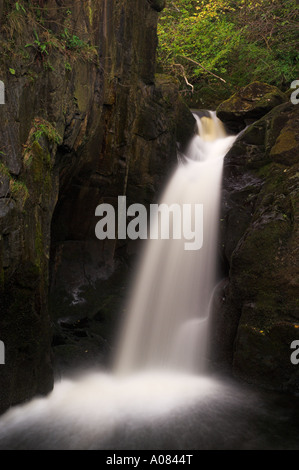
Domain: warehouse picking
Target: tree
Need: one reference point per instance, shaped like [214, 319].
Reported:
[236, 41]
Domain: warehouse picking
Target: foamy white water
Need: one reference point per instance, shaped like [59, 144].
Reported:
[142, 411]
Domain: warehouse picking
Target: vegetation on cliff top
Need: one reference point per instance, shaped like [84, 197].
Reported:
[228, 43]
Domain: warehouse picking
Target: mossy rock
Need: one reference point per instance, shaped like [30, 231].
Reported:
[250, 103]
[272, 138]
[207, 97]
[286, 148]
[157, 5]
[260, 349]
[260, 213]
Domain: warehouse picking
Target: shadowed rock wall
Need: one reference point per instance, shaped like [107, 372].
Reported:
[256, 315]
[85, 120]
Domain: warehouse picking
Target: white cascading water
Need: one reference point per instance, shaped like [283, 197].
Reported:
[158, 383]
[169, 309]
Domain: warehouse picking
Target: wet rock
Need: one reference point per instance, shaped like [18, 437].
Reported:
[260, 243]
[249, 104]
[75, 134]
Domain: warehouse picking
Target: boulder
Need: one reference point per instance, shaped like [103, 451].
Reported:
[249, 104]
[258, 314]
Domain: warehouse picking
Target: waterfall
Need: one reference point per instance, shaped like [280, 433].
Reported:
[157, 384]
[159, 394]
[167, 323]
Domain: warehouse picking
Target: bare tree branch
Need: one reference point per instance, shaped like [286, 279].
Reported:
[197, 63]
[184, 75]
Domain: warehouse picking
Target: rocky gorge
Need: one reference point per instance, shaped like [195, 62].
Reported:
[89, 121]
[259, 227]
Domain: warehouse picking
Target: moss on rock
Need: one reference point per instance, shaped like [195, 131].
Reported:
[249, 103]
[260, 215]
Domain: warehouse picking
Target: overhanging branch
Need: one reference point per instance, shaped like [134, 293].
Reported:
[184, 75]
[206, 70]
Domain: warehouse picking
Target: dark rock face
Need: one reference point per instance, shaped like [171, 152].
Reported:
[157, 5]
[249, 104]
[44, 111]
[258, 315]
[71, 138]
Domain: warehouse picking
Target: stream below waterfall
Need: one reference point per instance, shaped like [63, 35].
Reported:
[159, 393]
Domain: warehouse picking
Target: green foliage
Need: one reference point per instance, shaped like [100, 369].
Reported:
[41, 47]
[29, 25]
[40, 129]
[43, 128]
[238, 41]
[4, 171]
[17, 188]
[68, 66]
[72, 41]
[20, 7]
